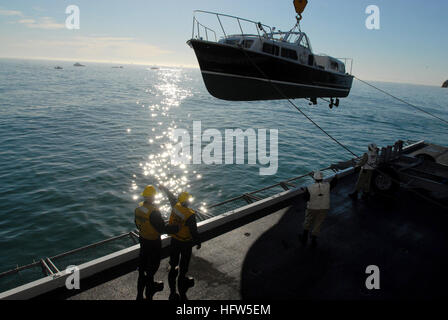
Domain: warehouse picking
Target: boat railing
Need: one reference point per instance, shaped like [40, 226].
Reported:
[346, 61]
[197, 26]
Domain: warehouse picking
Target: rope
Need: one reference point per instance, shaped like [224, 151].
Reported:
[403, 101]
[296, 107]
[422, 110]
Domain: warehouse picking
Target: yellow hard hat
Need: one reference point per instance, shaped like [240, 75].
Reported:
[149, 191]
[184, 196]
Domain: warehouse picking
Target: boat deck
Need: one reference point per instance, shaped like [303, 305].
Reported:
[405, 237]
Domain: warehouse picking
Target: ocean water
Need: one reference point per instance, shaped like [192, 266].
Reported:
[78, 145]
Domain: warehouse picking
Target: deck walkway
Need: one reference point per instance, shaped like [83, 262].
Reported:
[406, 238]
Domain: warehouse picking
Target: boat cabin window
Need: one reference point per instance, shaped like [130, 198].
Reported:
[271, 49]
[290, 54]
[334, 66]
[247, 43]
[232, 42]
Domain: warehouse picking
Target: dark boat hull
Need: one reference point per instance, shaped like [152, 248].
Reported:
[230, 73]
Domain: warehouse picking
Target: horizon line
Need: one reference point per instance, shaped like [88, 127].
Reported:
[114, 62]
[171, 65]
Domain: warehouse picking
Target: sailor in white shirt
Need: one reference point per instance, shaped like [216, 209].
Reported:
[318, 197]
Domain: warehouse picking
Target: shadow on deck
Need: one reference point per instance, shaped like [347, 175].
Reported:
[405, 237]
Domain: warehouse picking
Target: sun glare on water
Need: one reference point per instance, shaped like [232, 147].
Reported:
[162, 120]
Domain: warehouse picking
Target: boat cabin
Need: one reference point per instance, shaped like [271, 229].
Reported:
[293, 46]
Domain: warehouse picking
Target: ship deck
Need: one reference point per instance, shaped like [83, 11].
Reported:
[263, 259]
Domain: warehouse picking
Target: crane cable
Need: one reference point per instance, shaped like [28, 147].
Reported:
[401, 100]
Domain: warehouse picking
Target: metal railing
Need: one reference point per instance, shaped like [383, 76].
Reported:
[197, 25]
[346, 61]
[52, 265]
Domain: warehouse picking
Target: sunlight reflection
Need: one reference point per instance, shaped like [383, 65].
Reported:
[165, 97]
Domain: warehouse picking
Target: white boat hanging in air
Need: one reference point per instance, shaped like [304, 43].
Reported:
[265, 65]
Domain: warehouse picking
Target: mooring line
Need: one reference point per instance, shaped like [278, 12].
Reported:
[401, 100]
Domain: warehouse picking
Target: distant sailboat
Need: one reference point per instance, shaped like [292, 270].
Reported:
[77, 64]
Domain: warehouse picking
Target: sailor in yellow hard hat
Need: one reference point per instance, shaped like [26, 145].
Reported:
[181, 243]
[150, 225]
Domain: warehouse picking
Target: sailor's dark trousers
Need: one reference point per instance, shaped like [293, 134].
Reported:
[180, 254]
[149, 261]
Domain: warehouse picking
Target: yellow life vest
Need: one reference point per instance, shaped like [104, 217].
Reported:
[179, 215]
[143, 222]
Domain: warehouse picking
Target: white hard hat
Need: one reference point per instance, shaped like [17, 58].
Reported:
[372, 146]
[318, 175]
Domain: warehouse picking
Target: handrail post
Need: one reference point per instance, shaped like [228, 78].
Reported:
[258, 31]
[242, 32]
[225, 35]
[45, 269]
[52, 265]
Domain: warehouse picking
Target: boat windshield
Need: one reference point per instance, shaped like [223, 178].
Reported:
[285, 37]
[290, 37]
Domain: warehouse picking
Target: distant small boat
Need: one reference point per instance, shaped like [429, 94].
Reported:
[154, 68]
[58, 68]
[115, 67]
[77, 64]
[445, 84]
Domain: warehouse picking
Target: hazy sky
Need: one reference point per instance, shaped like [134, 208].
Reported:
[411, 45]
